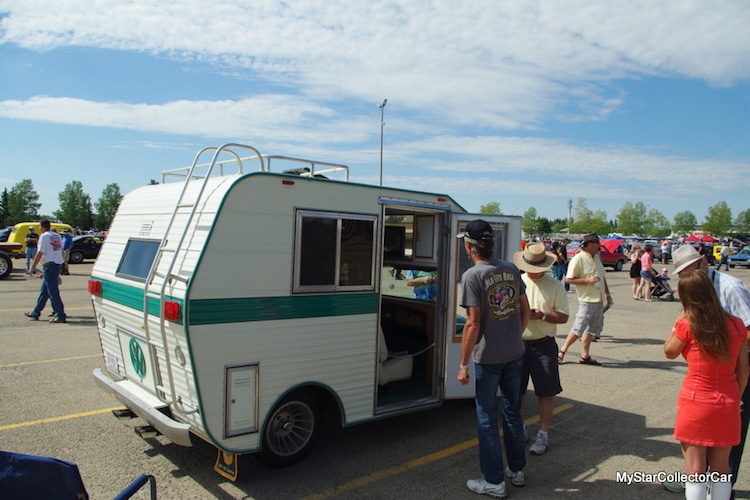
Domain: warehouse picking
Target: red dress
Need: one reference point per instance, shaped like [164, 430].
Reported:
[708, 407]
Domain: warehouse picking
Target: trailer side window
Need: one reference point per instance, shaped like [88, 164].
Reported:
[334, 252]
[137, 259]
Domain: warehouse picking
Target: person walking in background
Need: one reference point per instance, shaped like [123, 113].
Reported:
[714, 345]
[549, 307]
[51, 259]
[560, 267]
[647, 273]
[635, 270]
[666, 249]
[67, 243]
[724, 258]
[497, 312]
[32, 241]
[586, 272]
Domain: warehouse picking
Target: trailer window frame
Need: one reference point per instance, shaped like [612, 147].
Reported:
[334, 252]
[133, 260]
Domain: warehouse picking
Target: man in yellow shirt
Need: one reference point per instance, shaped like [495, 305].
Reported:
[548, 301]
[586, 272]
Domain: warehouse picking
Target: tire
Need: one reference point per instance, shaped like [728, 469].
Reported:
[291, 430]
[76, 257]
[731, 265]
[6, 266]
[619, 264]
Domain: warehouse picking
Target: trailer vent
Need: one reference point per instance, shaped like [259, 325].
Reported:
[146, 228]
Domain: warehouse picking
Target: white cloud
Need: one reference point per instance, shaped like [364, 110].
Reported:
[508, 62]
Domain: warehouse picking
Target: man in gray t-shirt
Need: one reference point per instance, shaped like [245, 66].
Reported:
[497, 312]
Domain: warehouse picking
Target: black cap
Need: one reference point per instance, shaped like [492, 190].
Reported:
[477, 230]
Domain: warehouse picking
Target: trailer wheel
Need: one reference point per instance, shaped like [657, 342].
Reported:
[291, 430]
[6, 266]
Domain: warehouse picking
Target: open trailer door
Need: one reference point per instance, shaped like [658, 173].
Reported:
[507, 231]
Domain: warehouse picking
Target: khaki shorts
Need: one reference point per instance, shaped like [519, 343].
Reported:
[589, 319]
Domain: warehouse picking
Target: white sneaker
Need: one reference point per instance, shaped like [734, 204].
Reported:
[482, 487]
[515, 477]
[539, 446]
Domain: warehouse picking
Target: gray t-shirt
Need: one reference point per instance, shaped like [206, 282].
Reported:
[496, 288]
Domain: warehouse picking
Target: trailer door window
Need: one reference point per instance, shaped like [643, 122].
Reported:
[137, 259]
[334, 252]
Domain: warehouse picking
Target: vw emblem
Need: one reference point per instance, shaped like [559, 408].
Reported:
[137, 359]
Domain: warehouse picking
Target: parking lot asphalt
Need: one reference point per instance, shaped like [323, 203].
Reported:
[613, 419]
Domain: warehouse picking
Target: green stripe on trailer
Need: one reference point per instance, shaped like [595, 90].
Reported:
[214, 311]
[132, 297]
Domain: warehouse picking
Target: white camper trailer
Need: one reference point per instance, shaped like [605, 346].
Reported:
[243, 305]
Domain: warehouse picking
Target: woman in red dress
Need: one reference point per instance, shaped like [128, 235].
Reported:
[714, 344]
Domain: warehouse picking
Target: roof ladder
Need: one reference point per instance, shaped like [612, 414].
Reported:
[167, 394]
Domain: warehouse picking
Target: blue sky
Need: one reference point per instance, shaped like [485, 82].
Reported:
[523, 103]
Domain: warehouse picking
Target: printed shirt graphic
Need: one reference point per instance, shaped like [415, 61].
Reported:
[50, 244]
[496, 288]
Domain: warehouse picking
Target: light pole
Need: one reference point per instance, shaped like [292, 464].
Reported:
[382, 125]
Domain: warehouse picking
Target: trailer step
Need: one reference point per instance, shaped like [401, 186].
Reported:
[146, 431]
[125, 414]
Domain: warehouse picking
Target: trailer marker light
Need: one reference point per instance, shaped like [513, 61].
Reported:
[95, 287]
[287, 182]
[442, 200]
[171, 310]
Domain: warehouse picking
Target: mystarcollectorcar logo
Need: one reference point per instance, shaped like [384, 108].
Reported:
[672, 477]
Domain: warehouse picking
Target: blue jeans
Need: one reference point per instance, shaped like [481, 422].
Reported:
[30, 254]
[723, 262]
[559, 272]
[506, 376]
[50, 289]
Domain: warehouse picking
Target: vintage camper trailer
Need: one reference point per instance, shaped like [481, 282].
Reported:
[243, 305]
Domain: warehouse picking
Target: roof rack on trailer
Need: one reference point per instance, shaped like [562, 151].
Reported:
[236, 165]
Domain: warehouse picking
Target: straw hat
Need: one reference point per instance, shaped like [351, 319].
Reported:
[534, 258]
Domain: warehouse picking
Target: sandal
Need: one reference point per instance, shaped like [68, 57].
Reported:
[589, 361]
[560, 357]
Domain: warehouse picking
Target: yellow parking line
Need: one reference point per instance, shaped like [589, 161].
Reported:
[57, 419]
[398, 469]
[56, 360]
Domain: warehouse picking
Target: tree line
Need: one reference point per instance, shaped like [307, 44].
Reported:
[633, 218]
[21, 203]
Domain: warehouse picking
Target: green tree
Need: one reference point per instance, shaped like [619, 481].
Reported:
[544, 225]
[107, 205]
[588, 221]
[657, 224]
[557, 225]
[632, 218]
[684, 223]
[75, 206]
[491, 208]
[530, 224]
[719, 220]
[23, 203]
[743, 221]
[4, 209]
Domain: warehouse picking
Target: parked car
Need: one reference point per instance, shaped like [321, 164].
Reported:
[740, 259]
[615, 259]
[85, 247]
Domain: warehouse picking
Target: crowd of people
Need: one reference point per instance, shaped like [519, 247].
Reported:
[511, 342]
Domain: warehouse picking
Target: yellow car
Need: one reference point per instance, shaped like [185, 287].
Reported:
[717, 253]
